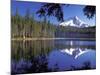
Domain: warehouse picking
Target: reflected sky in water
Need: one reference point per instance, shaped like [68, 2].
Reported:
[63, 59]
[52, 55]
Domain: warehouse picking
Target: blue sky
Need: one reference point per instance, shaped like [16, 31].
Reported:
[70, 11]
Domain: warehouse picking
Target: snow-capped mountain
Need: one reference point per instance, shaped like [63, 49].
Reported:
[75, 22]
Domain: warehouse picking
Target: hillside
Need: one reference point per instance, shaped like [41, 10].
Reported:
[74, 32]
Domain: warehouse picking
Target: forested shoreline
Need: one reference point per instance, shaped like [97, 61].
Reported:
[27, 27]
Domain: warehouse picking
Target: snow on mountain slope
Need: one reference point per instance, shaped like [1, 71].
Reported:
[74, 21]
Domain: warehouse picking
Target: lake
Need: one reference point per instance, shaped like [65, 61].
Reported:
[36, 56]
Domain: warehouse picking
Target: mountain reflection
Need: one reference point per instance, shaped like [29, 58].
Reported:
[75, 52]
[51, 55]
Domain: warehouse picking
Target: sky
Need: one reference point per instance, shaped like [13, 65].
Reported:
[70, 11]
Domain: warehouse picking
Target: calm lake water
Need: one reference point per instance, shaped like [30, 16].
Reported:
[52, 55]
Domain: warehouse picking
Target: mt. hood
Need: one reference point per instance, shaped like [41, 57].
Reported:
[75, 22]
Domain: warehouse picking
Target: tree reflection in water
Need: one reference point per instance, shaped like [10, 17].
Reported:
[39, 64]
[35, 65]
[32, 56]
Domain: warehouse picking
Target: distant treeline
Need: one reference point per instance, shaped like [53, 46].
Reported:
[27, 27]
[74, 32]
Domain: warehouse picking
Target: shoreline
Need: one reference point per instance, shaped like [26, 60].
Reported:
[26, 39]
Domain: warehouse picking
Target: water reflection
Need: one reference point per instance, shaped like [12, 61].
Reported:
[76, 52]
[64, 61]
[52, 55]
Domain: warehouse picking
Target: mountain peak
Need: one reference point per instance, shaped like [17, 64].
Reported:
[75, 22]
[76, 17]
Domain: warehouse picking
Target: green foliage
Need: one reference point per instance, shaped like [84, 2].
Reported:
[51, 9]
[28, 27]
[56, 10]
[74, 32]
[89, 11]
